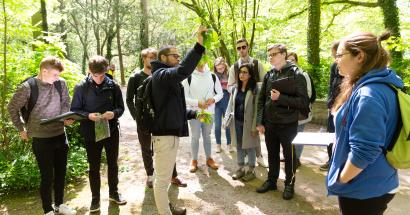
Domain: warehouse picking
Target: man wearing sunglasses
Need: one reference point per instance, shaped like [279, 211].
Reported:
[170, 115]
[242, 47]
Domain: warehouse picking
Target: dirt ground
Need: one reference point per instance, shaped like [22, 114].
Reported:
[208, 192]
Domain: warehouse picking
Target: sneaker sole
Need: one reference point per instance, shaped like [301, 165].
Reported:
[118, 203]
[94, 210]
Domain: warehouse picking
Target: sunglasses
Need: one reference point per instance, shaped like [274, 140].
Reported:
[241, 47]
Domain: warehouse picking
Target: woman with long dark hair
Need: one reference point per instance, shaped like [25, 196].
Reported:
[243, 127]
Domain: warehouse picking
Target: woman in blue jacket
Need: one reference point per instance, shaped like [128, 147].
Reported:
[366, 113]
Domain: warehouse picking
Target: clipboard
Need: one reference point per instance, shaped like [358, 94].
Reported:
[62, 117]
[284, 85]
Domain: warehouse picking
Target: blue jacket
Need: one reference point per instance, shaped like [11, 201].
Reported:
[364, 128]
[168, 94]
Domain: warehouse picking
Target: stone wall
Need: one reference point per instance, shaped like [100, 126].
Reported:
[320, 113]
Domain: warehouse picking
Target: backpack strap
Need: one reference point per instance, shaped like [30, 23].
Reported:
[33, 95]
[214, 79]
[256, 69]
[58, 86]
[236, 70]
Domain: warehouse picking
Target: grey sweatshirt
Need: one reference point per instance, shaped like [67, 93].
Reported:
[48, 105]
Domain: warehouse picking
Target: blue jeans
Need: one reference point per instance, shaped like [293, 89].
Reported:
[220, 108]
[196, 128]
[241, 153]
[299, 148]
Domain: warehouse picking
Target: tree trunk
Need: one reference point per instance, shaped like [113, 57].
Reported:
[118, 25]
[96, 25]
[144, 28]
[392, 23]
[313, 38]
[62, 27]
[44, 24]
[4, 90]
[110, 39]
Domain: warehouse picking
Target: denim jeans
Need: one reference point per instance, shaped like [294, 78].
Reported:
[220, 108]
[240, 152]
[299, 148]
[196, 128]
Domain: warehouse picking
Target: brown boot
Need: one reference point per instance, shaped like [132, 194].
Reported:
[211, 163]
[194, 166]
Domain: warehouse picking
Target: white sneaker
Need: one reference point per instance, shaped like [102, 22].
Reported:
[229, 148]
[218, 148]
[261, 162]
[50, 213]
[65, 210]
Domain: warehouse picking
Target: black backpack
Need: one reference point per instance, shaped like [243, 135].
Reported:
[312, 98]
[145, 107]
[25, 111]
[305, 111]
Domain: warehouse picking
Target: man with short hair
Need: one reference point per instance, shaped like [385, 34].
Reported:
[100, 98]
[49, 143]
[170, 115]
[277, 116]
[242, 47]
[148, 55]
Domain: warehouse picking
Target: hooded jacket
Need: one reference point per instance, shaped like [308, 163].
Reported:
[365, 126]
[92, 98]
[202, 87]
[285, 110]
[168, 94]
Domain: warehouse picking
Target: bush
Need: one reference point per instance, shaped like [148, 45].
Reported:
[19, 170]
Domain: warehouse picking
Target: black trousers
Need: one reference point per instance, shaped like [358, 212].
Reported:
[51, 156]
[94, 150]
[331, 129]
[147, 153]
[372, 206]
[277, 135]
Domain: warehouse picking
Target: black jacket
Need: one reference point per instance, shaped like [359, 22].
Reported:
[168, 94]
[334, 85]
[285, 110]
[133, 83]
[90, 98]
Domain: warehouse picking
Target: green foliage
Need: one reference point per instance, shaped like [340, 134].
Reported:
[19, 170]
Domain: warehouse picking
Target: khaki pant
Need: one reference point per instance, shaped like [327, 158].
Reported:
[165, 153]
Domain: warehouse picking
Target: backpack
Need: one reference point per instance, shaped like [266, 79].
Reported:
[312, 98]
[213, 79]
[144, 105]
[398, 152]
[255, 69]
[25, 111]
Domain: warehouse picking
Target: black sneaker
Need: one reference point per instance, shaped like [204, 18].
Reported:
[95, 205]
[177, 211]
[266, 186]
[118, 199]
[325, 167]
[288, 192]
[298, 164]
